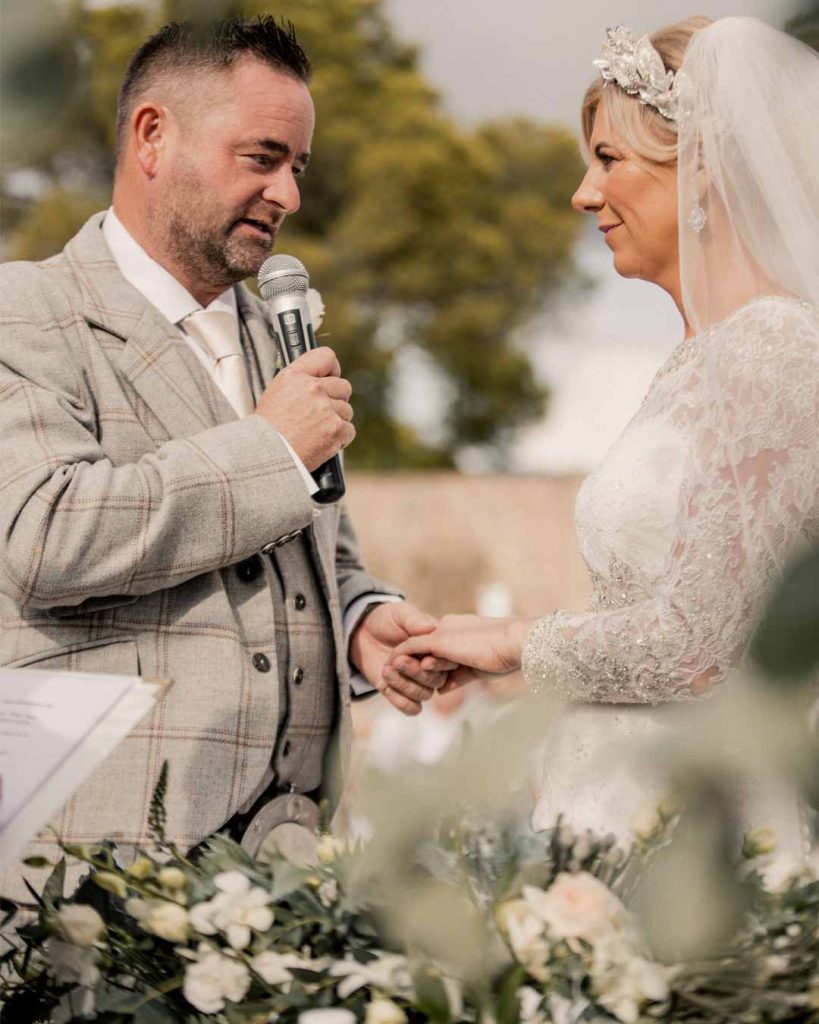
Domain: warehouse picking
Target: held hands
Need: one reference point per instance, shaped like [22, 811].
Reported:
[472, 646]
[373, 644]
[308, 402]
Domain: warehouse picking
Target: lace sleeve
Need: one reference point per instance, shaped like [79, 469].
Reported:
[749, 490]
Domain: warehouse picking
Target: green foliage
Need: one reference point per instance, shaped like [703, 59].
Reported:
[805, 26]
[786, 644]
[416, 231]
[157, 815]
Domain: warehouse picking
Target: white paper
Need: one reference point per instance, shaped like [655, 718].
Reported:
[55, 727]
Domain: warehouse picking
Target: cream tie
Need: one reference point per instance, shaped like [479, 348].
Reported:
[217, 333]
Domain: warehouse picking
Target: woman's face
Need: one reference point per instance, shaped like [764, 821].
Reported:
[636, 206]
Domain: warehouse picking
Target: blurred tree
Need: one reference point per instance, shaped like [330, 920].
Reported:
[805, 26]
[417, 232]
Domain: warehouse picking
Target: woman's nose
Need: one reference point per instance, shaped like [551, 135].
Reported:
[588, 198]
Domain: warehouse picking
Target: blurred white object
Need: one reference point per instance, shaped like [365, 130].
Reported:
[494, 600]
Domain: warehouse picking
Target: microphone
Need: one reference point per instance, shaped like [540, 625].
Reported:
[283, 282]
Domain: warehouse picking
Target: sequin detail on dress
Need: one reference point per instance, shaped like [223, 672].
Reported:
[676, 597]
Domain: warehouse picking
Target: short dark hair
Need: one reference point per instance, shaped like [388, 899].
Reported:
[196, 46]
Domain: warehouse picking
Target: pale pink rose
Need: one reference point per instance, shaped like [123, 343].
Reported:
[577, 906]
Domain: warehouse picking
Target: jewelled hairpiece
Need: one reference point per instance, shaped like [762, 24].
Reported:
[638, 69]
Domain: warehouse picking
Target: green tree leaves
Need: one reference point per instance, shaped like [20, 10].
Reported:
[416, 231]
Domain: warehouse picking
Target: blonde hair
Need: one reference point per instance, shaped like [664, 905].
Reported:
[643, 129]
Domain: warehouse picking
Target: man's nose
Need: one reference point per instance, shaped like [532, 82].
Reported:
[282, 189]
[588, 198]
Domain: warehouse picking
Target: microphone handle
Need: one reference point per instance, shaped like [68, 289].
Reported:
[294, 332]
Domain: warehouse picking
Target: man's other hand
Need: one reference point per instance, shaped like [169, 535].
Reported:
[409, 681]
[308, 402]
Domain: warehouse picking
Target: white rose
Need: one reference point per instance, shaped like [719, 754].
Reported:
[526, 936]
[624, 980]
[315, 304]
[577, 906]
[386, 973]
[384, 1011]
[237, 910]
[327, 1015]
[201, 915]
[273, 967]
[214, 979]
[167, 920]
[530, 1005]
[80, 923]
[233, 882]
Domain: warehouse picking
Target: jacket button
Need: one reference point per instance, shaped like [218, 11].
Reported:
[249, 570]
[298, 676]
[261, 662]
[300, 601]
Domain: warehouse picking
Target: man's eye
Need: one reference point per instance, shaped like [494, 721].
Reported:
[262, 159]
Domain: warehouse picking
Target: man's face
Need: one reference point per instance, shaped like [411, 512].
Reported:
[228, 175]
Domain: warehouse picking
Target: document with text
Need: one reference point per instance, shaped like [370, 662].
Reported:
[55, 728]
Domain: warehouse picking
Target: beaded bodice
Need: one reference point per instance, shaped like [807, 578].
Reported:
[691, 516]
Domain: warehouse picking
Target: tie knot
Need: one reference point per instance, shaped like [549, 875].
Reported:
[216, 331]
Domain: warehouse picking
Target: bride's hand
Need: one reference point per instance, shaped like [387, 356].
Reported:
[477, 645]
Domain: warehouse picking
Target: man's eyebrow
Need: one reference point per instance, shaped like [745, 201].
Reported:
[280, 149]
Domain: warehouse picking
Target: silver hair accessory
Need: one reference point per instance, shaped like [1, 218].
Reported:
[638, 69]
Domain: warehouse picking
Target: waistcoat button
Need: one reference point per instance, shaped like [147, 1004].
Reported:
[298, 676]
[286, 749]
[300, 601]
[261, 662]
[249, 570]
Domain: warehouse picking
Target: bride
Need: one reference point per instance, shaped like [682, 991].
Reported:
[703, 175]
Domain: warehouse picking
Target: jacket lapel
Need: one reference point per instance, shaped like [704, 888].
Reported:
[156, 361]
[265, 347]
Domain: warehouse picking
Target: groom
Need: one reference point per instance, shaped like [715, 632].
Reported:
[155, 455]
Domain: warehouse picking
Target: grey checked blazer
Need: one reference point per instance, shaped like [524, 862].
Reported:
[127, 488]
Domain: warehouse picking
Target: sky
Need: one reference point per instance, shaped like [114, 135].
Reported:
[533, 57]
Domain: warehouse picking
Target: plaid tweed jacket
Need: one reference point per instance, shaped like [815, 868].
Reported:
[128, 488]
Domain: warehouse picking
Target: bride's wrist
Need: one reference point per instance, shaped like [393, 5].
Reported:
[516, 632]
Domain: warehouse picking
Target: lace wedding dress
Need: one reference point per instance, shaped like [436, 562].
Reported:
[684, 528]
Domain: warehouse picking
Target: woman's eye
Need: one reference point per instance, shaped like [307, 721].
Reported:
[606, 159]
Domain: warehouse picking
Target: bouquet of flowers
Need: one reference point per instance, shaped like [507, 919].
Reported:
[546, 934]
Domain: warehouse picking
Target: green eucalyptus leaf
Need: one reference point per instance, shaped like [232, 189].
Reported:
[55, 886]
[37, 862]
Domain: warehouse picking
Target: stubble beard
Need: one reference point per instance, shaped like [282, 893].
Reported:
[211, 254]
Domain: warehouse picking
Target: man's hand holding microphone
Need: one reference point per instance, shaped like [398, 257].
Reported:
[308, 402]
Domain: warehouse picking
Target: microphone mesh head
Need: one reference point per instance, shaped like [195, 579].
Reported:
[282, 275]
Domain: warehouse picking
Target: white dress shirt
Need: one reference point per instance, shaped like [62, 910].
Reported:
[175, 303]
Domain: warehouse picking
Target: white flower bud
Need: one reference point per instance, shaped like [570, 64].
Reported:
[80, 923]
[384, 1011]
[172, 879]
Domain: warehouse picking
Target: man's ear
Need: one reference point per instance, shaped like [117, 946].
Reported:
[150, 128]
